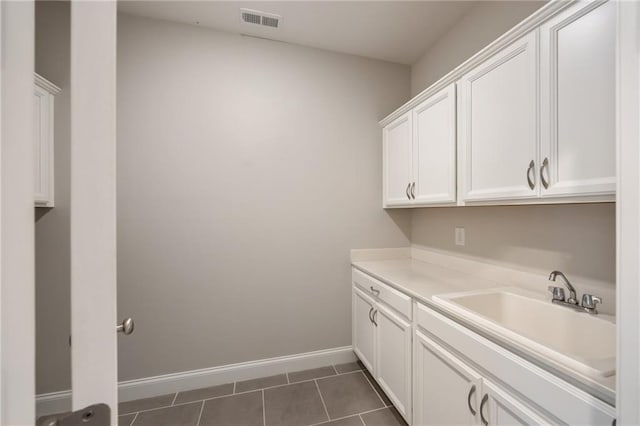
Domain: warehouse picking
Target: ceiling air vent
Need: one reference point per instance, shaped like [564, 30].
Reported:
[260, 18]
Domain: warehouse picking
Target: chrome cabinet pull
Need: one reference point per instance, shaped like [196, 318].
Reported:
[126, 327]
[484, 401]
[545, 165]
[374, 317]
[471, 392]
[370, 317]
[413, 190]
[406, 191]
[375, 291]
[531, 182]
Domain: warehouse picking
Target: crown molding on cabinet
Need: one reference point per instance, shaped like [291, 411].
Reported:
[528, 24]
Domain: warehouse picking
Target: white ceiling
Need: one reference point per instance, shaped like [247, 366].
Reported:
[395, 31]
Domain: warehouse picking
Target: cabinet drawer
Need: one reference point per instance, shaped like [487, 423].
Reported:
[382, 292]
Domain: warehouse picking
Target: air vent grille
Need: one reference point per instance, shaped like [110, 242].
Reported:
[260, 18]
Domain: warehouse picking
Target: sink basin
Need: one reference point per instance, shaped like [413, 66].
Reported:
[582, 342]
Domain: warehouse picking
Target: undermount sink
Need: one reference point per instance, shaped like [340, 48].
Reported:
[582, 342]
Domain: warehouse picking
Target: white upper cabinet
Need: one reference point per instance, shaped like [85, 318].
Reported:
[434, 149]
[534, 119]
[578, 103]
[498, 126]
[420, 153]
[43, 98]
[397, 161]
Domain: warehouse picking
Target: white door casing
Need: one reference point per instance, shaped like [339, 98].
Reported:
[93, 204]
[17, 291]
[627, 214]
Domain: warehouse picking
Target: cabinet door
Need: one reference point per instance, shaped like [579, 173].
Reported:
[393, 359]
[397, 161]
[501, 409]
[498, 126]
[578, 101]
[42, 149]
[434, 149]
[363, 330]
[446, 390]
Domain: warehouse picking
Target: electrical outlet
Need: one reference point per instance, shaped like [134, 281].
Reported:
[459, 236]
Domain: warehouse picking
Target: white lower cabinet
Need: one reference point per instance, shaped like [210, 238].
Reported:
[382, 341]
[500, 408]
[393, 355]
[446, 391]
[363, 328]
[437, 371]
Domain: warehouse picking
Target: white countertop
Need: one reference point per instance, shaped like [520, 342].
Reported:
[423, 274]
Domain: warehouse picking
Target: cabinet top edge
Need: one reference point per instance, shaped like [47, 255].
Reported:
[528, 24]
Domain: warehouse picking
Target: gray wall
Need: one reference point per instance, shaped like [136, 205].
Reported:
[578, 239]
[481, 25]
[247, 170]
[53, 326]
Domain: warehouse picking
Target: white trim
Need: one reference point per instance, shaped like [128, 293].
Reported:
[529, 24]
[56, 402]
[627, 213]
[46, 84]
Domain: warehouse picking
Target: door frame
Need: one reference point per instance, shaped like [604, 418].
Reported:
[17, 257]
[627, 214]
[94, 357]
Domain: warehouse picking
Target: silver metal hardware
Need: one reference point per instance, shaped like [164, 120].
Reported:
[572, 291]
[370, 317]
[589, 303]
[545, 165]
[557, 292]
[94, 415]
[126, 326]
[374, 290]
[413, 190]
[484, 421]
[406, 191]
[471, 392]
[374, 317]
[531, 168]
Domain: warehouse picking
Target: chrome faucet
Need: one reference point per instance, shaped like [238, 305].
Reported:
[589, 301]
[572, 291]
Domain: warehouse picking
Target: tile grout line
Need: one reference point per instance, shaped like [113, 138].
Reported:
[264, 414]
[134, 419]
[362, 420]
[384, 404]
[200, 416]
[174, 399]
[349, 416]
[322, 399]
[287, 376]
[335, 369]
[243, 392]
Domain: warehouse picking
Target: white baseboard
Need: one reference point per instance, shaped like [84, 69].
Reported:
[58, 402]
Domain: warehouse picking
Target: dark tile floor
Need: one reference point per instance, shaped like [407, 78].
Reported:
[337, 395]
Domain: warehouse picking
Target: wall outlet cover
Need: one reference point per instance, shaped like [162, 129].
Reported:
[459, 236]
